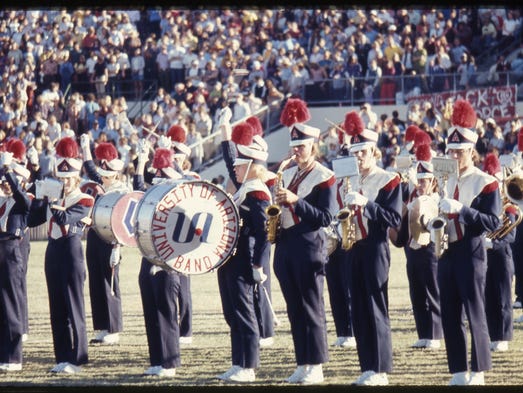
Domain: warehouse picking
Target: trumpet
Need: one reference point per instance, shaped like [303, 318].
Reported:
[344, 217]
[274, 211]
[513, 191]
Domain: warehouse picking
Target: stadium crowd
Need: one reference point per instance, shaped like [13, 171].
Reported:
[69, 72]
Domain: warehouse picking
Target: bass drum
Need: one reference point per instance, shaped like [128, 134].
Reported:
[114, 217]
[191, 227]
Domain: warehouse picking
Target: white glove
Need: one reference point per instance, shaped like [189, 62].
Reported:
[488, 243]
[154, 269]
[143, 150]
[164, 142]
[32, 156]
[6, 158]
[450, 206]
[258, 275]
[355, 198]
[115, 256]
[85, 142]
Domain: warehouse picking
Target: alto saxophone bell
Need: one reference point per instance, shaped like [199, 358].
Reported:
[436, 227]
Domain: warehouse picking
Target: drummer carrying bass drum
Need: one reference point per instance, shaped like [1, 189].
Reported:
[159, 288]
[103, 259]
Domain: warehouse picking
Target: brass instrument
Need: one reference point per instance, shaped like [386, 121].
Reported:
[274, 211]
[443, 167]
[344, 217]
[506, 225]
[513, 191]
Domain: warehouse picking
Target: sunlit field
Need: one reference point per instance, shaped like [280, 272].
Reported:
[209, 355]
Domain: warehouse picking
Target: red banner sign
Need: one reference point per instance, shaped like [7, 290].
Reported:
[498, 102]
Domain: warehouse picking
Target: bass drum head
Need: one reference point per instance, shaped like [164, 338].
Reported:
[190, 227]
[123, 218]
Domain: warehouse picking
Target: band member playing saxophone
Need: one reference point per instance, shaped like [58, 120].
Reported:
[243, 272]
[261, 302]
[422, 263]
[64, 257]
[472, 207]
[307, 198]
[14, 211]
[337, 274]
[377, 201]
[500, 268]
[103, 258]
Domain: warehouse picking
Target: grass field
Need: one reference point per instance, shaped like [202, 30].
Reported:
[209, 355]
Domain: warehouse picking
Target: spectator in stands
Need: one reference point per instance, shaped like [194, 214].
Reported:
[372, 82]
[241, 109]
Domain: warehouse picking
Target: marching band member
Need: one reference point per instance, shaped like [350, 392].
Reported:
[422, 262]
[175, 139]
[473, 207]
[64, 257]
[307, 196]
[238, 277]
[517, 245]
[103, 259]
[376, 200]
[14, 210]
[337, 274]
[262, 306]
[500, 269]
[159, 287]
[20, 156]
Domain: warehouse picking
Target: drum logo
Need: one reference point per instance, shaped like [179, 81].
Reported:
[194, 227]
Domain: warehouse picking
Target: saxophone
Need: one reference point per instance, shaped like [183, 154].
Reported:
[273, 211]
[344, 217]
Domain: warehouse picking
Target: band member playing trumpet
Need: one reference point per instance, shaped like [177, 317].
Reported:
[159, 287]
[472, 207]
[238, 277]
[307, 197]
[500, 269]
[422, 263]
[14, 210]
[376, 200]
[64, 257]
[103, 259]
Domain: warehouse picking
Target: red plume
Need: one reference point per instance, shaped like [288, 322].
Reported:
[67, 148]
[423, 153]
[17, 147]
[256, 125]
[464, 115]
[106, 151]
[353, 124]
[163, 158]
[520, 139]
[422, 138]
[410, 132]
[242, 134]
[294, 111]
[177, 133]
[491, 164]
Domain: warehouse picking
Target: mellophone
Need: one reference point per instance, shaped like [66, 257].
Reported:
[190, 226]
